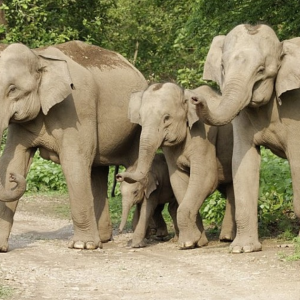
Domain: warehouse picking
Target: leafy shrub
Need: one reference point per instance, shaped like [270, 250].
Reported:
[45, 176]
[275, 208]
[213, 209]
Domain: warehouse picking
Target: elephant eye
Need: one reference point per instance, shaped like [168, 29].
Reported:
[12, 88]
[261, 69]
[222, 69]
[166, 118]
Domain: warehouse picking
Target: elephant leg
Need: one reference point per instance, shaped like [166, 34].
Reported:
[146, 212]
[100, 187]
[136, 216]
[294, 161]
[246, 164]
[152, 228]
[162, 230]
[7, 211]
[78, 176]
[191, 229]
[172, 208]
[228, 229]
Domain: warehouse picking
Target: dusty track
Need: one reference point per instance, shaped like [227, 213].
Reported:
[40, 266]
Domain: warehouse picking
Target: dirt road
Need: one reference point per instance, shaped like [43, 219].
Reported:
[40, 266]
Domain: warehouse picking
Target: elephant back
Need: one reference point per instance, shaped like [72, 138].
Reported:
[92, 56]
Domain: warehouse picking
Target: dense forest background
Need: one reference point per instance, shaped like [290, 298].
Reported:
[167, 40]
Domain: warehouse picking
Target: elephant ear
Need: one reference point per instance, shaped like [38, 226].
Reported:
[212, 67]
[151, 185]
[288, 77]
[192, 116]
[134, 107]
[56, 83]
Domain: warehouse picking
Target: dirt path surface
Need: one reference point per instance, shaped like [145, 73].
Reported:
[40, 266]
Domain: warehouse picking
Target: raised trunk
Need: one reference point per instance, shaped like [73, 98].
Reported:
[17, 191]
[235, 97]
[149, 143]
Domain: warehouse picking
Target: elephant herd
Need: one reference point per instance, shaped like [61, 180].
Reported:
[87, 108]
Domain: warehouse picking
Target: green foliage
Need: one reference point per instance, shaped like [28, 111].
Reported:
[44, 22]
[275, 208]
[213, 209]
[145, 32]
[45, 176]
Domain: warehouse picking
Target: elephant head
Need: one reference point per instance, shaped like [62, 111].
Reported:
[29, 83]
[250, 66]
[134, 193]
[164, 114]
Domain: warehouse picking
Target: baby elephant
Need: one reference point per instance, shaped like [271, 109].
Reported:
[150, 195]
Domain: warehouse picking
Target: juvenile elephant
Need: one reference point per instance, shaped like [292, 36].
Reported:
[198, 156]
[259, 79]
[150, 195]
[70, 101]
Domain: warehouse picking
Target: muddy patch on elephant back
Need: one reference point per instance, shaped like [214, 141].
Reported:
[91, 55]
[40, 266]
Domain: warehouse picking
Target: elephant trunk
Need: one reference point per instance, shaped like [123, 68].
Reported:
[234, 98]
[16, 192]
[125, 212]
[149, 143]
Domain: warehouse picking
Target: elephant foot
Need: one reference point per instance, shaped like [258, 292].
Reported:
[138, 244]
[161, 233]
[187, 245]
[203, 240]
[84, 245]
[106, 235]
[243, 246]
[174, 239]
[227, 234]
[4, 247]
[197, 240]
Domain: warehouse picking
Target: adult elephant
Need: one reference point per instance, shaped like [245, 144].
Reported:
[259, 79]
[70, 101]
[198, 156]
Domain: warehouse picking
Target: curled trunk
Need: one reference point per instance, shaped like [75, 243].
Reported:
[234, 99]
[15, 193]
[149, 143]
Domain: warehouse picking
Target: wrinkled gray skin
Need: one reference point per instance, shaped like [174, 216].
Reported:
[70, 101]
[150, 195]
[198, 155]
[259, 79]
